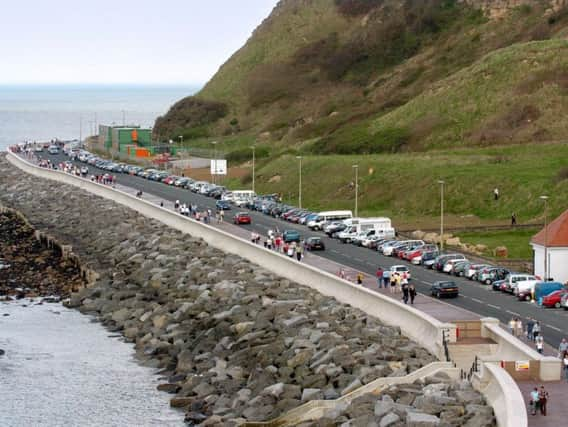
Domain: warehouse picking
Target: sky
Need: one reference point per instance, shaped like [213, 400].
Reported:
[122, 41]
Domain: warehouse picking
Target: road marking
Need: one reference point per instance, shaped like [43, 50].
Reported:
[334, 251]
[553, 327]
[513, 313]
[494, 306]
[477, 300]
[426, 283]
[358, 259]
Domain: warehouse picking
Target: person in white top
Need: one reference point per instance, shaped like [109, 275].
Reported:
[539, 342]
[565, 360]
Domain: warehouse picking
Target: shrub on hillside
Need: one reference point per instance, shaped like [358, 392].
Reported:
[356, 7]
[243, 155]
[190, 112]
[387, 140]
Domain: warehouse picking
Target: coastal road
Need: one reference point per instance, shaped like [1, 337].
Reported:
[475, 297]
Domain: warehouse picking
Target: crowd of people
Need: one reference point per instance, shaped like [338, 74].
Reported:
[275, 241]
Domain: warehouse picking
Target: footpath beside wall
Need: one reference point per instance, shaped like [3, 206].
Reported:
[418, 326]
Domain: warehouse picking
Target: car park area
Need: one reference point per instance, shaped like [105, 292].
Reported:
[423, 260]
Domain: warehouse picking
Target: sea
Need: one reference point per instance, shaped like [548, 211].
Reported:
[67, 112]
[60, 368]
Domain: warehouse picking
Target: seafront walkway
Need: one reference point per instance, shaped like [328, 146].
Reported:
[557, 411]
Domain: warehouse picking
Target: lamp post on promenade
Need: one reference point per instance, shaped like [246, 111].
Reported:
[214, 161]
[442, 183]
[356, 167]
[545, 199]
[253, 160]
[300, 182]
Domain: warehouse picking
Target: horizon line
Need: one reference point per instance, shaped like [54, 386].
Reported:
[172, 84]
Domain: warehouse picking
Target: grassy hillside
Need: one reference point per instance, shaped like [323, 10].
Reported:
[405, 186]
[515, 94]
[338, 76]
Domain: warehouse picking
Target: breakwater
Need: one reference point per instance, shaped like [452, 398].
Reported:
[235, 341]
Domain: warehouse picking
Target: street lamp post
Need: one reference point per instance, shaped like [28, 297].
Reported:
[545, 199]
[356, 167]
[253, 160]
[441, 214]
[214, 161]
[300, 183]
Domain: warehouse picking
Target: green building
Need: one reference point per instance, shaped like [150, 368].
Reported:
[118, 138]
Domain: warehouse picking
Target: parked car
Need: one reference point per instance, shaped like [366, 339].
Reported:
[444, 289]
[449, 265]
[427, 259]
[53, 149]
[564, 301]
[474, 269]
[242, 218]
[223, 205]
[314, 244]
[554, 299]
[290, 236]
[443, 259]
[543, 289]
[460, 268]
[488, 275]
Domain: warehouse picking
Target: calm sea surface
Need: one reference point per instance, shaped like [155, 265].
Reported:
[45, 112]
[61, 369]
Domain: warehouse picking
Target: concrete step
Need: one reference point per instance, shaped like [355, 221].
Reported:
[463, 355]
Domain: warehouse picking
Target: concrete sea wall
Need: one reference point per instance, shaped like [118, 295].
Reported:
[235, 341]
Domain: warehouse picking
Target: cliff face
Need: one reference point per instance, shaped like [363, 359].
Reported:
[499, 8]
[319, 73]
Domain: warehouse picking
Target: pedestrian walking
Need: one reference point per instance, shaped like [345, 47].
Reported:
[534, 401]
[176, 205]
[513, 218]
[539, 343]
[519, 328]
[379, 277]
[565, 362]
[398, 283]
[386, 278]
[512, 324]
[392, 283]
[536, 330]
[496, 193]
[341, 273]
[542, 400]
[412, 292]
[161, 203]
[359, 278]
[299, 252]
[562, 347]
[222, 215]
[530, 326]
[405, 293]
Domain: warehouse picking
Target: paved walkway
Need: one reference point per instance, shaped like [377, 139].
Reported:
[557, 409]
[436, 308]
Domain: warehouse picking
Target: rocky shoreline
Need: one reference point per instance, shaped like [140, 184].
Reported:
[30, 269]
[235, 342]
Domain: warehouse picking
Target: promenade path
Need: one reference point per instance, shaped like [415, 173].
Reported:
[557, 413]
[557, 410]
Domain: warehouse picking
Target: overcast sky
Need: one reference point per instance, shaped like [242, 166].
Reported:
[122, 41]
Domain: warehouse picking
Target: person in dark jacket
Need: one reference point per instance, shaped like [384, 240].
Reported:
[412, 292]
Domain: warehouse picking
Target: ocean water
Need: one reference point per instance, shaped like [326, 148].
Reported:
[42, 113]
[61, 369]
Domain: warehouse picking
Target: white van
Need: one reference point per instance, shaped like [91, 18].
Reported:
[525, 285]
[323, 217]
[242, 197]
[380, 226]
[53, 149]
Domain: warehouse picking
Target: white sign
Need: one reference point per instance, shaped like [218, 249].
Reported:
[218, 167]
[522, 365]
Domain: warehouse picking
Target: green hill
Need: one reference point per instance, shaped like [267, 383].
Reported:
[472, 91]
[337, 76]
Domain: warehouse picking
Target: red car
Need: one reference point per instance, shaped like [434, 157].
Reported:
[553, 299]
[170, 180]
[242, 218]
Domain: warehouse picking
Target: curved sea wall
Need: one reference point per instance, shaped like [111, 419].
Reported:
[235, 341]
